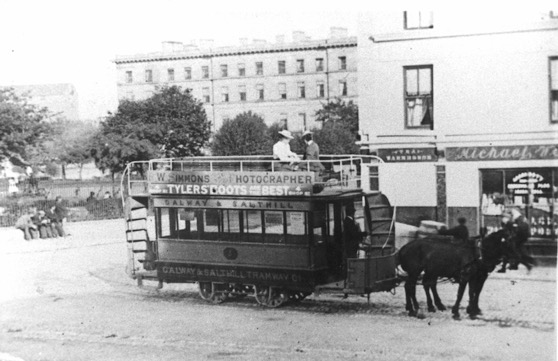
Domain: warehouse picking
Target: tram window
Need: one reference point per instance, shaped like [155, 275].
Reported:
[212, 224]
[296, 227]
[164, 223]
[252, 227]
[319, 225]
[274, 227]
[232, 224]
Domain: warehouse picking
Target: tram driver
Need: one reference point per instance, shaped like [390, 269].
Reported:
[282, 151]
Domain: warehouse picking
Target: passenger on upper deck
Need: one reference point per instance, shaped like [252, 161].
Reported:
[312, 153]
[282, 151]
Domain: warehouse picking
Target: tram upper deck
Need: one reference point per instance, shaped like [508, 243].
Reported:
[337, 174]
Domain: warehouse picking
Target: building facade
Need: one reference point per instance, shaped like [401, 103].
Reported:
[60, 99]
[282, 82]
[463, 109]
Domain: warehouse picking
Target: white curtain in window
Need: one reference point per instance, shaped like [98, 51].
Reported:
[425, 85]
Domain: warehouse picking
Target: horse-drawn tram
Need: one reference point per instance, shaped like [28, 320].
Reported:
[246, 226]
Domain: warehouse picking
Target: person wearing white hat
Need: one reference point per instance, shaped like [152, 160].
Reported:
[282, 151]
[312, 153]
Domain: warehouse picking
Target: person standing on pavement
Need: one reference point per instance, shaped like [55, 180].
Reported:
[459, 232]
[514, 218]
[60, 213]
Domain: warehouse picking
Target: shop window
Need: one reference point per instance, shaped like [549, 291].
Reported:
[419, 97]
[532, 191]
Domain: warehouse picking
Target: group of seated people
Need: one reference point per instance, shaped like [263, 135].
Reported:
[44, 224]
[290, 161]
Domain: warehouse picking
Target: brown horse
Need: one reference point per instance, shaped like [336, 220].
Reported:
[464, 263]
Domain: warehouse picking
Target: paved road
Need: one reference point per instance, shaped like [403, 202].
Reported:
[69, 299]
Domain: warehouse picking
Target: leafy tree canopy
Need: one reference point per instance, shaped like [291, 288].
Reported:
[336, 138]
[22, 126]
[339, 111]
[172, 123]
[246, 134]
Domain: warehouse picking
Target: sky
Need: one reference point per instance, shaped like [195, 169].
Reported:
[75, 42]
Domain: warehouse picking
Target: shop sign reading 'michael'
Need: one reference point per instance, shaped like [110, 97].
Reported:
[517, 152]
[231, 183]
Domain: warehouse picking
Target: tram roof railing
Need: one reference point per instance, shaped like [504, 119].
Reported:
[339, 171]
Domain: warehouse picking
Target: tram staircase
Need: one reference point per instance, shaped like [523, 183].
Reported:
[376, 271]
[141, 250]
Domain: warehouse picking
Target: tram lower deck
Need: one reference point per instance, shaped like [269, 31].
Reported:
[277, 241]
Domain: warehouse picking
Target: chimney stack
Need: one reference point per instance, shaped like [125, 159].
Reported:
[206, 43]
[338, 33]
[298, 36]
[259, 42]
[172, 46]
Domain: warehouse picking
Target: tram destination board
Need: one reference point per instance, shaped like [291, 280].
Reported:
[231, 183]
[223, 273]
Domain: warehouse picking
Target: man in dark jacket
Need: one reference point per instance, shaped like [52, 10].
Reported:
[459, 232]
[60, 213]
[352, 232]
[522, 231]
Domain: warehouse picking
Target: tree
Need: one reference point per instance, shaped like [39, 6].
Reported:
[336, 138]
[69, 143]
[339, 111]
[172, 123]
[246, 134]
[23, 126]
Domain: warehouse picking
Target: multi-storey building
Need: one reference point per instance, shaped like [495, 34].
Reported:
[463, 109]
[282, 82]
[60, 99]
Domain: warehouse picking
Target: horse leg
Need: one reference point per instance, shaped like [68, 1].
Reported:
[460, 292]
[437, 300]
[474, 294]
[429, 284]
[410, 295]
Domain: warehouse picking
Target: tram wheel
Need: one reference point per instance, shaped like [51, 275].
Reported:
[298, 296]
[270, 296]
[207, 292]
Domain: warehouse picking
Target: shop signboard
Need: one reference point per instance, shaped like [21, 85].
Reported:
[511, 152]
[399, 155]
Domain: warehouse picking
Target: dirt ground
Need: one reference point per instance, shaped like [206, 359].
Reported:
[70, 299]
